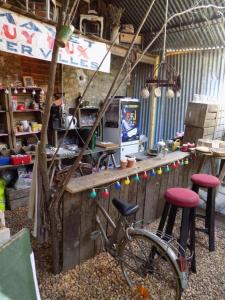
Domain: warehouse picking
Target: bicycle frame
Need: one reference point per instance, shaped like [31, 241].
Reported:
[127, 229]
[116, 227]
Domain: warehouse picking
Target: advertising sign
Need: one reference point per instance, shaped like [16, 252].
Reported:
[24, 36]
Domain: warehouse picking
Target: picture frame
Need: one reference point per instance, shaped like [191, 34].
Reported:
[28, 81]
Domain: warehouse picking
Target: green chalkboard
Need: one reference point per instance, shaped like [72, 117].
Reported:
[16, 274]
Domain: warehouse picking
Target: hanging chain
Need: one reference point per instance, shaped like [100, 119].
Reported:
[164, 41]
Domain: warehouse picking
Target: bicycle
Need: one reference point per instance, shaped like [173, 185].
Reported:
[151, 265]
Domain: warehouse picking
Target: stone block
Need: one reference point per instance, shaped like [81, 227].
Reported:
[4, 235]
[2, 218]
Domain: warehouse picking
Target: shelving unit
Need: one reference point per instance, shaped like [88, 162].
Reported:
[10, 117]
[23, 99]
[5, 131]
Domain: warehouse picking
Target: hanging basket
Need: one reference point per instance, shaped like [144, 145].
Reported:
[64, 35]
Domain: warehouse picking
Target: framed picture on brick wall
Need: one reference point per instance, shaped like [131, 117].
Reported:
[28, 81]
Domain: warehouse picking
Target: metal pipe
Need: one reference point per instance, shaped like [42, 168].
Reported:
[47, 7]
[27, 5]
[153, 112]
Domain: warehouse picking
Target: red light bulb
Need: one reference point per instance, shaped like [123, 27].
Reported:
[105, 194]
[144, 176]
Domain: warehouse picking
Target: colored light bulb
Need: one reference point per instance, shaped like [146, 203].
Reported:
[144, 175]
[159, 171]
[177, 163]
[24, 90]
[6, 91]
[186, 162]
[153, 172]
[33, 92]
[117, 185]
[167, 169]
[136, 178]
[93, 194]
[182, 163]
[105, 194]
[173, 165]
[127, 181]
[15, 91]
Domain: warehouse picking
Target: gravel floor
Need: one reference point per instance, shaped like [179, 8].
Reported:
[101, 279]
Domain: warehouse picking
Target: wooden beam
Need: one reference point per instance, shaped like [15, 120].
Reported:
[121, 51]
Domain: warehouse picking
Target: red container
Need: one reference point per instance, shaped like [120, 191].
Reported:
[20, 159]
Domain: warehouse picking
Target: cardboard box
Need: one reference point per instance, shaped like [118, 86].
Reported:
[201, 115]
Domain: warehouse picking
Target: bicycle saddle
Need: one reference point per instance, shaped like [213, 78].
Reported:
[126, 209]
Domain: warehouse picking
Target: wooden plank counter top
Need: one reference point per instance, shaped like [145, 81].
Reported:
[88, 182]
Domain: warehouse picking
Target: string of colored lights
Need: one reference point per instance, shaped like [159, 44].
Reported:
[136, 178]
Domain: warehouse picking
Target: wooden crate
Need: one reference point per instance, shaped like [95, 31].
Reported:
[17, 198]
[201, 115]
[193, 134]
[128, 38]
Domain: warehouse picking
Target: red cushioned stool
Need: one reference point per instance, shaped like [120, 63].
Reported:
[210, 183]
[187, 200]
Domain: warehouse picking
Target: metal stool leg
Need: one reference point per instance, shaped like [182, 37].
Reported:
[184, 230]
[192, 239]
[171, 220]
[211, 216]
[163, 219]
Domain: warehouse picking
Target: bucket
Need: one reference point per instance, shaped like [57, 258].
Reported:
[64, 35]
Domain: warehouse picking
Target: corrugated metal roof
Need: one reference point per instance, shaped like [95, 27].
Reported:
[187, 31]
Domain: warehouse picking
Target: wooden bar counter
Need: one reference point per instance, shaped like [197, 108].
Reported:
[79, 210]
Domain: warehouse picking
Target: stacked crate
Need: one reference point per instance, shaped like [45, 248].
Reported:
[200, 122]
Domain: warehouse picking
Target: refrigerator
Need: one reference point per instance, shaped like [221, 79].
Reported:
[121, 126]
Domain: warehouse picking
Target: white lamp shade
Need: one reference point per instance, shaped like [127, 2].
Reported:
[178, 94]
[157, 92]
[145, 93]
[170, 93]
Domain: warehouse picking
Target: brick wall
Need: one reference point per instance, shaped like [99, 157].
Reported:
[16, 65]
[75, 81]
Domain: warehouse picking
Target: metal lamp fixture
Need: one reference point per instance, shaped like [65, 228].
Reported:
[164, 75]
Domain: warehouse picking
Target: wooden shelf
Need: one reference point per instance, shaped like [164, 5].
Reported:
[2, 111]
[3, 134]
[26, 133]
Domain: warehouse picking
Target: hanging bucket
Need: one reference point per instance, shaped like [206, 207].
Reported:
[64, 35]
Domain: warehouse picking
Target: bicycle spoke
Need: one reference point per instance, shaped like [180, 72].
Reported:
[146, 264]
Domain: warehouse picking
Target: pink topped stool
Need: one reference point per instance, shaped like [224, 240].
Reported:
[210, 183]
[187, 200]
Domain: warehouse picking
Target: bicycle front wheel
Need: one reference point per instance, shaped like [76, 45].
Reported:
[148, 268]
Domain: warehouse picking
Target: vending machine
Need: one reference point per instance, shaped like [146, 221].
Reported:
[121, 126]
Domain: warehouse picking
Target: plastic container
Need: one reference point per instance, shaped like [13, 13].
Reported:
[4, 160]
[20, 159]
[123, 163]
[131, 162]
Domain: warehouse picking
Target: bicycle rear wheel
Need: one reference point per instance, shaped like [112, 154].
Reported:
[148, 268]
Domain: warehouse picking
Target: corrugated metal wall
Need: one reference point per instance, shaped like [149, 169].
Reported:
[142, 72]
[202, 73]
